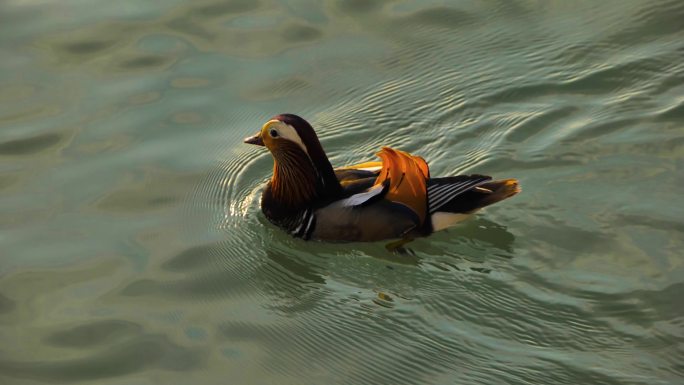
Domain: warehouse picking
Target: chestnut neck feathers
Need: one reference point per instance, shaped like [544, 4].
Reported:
[294, 182]
[301, 178]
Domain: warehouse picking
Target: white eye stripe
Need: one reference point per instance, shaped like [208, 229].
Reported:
[288, 132]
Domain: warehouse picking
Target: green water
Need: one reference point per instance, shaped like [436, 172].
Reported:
[133, 251]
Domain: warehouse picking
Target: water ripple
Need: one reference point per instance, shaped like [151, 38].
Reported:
[121, 149]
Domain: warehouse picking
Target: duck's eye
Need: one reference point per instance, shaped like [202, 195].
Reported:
[273, 132]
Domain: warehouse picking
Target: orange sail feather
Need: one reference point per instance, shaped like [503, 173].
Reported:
[407, 175]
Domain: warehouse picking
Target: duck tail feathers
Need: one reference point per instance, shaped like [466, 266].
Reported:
[500, 190]
[468, 193]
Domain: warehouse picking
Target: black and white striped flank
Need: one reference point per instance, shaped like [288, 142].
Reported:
[304, 224]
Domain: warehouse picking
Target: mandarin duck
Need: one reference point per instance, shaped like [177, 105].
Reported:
[394, 198]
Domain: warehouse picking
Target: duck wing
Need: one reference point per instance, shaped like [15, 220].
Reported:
[400, 179]
[391, 200]
[357, 178]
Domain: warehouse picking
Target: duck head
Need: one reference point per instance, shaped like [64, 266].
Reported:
[301, 169]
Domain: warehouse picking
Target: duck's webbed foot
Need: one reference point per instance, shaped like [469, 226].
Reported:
[397, 247]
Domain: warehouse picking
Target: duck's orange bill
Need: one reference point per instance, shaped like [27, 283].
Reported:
[407, 176]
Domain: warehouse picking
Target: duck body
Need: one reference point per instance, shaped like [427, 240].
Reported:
[390, 199]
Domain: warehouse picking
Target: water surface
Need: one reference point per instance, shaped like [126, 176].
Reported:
[132, 249]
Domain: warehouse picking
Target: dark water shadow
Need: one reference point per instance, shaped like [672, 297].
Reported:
[155, 189]
[194, 258]
[6, 304]
[207, 286]
[138, 352]
[294, 284]
[296, 33]
[443, 17]
[306, 272]
[32, 145]
[468, 246]
[87, 47]
[487, 232]
[222, 8]
[206, 272]
[222, 270]
[358, 7]
[145, 62]
[93, 334]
